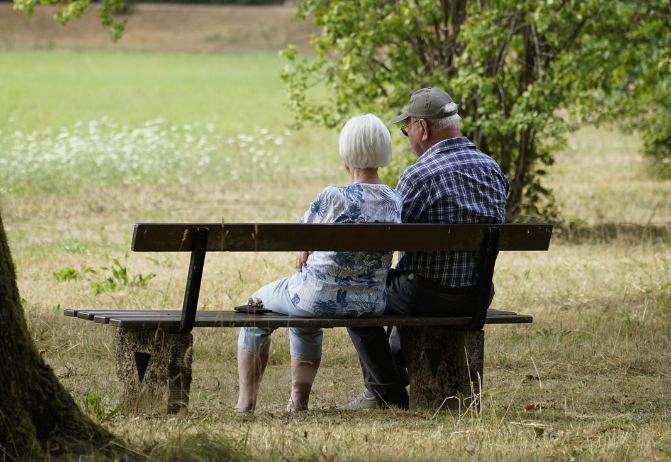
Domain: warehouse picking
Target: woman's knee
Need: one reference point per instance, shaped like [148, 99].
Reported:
[306, 342]
[255, 339]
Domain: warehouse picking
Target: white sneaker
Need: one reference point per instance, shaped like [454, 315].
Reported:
[361, 403]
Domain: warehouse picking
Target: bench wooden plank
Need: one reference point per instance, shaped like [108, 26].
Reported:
[152, 319]
[90, 314]
[270, 237]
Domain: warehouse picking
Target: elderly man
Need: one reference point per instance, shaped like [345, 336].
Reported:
[451, 182]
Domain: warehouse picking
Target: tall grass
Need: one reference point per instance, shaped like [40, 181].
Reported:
[590, 379]
[601, 178]
[72, 120]
[101, 153]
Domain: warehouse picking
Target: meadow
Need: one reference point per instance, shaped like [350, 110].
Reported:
[92, 142]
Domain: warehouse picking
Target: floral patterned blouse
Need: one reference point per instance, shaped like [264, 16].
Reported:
[347, 284]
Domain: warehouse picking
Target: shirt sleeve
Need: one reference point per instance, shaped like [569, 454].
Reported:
[414, 198]
[316, 212]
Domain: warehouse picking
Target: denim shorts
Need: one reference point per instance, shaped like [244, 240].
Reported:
[304, 342]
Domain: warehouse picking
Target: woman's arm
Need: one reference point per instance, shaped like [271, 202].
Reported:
[314, 214]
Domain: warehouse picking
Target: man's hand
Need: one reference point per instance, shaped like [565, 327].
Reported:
[302, 260]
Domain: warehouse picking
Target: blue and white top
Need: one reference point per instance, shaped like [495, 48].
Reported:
[347, 284]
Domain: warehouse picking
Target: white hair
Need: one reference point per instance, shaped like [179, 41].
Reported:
[447, 122]
[365, 142]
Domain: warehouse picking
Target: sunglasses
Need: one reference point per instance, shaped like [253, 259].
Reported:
[404, 128]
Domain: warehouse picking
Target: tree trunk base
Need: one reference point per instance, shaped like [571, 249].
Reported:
[154, 368]
[446, 369]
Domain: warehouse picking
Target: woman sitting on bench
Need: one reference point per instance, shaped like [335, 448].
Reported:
[327, 284]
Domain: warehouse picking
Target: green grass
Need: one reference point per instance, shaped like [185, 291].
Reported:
[590, 379]
[89, 120]
[238, 93]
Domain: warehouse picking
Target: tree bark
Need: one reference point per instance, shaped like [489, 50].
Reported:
[37, 415]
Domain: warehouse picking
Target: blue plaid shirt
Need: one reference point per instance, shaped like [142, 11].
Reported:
[452, 182]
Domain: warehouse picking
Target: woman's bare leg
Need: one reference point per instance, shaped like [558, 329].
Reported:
[303, 373]
[250, 371]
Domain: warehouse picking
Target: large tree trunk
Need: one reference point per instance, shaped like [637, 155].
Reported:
[37, 415]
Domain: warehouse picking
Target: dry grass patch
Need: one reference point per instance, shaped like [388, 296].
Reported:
[602, 179]
[589, 380]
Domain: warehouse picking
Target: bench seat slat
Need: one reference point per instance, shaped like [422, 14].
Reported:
[151, 319]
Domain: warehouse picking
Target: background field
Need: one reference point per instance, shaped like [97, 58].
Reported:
[92, 141]
[166, 27]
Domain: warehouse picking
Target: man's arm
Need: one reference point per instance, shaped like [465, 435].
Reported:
[414, 197]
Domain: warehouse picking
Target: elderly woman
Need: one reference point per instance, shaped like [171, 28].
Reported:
[333, 284]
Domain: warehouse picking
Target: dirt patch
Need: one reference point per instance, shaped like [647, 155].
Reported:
[161, 27]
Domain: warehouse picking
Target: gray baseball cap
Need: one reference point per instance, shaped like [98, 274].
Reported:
[427, 103]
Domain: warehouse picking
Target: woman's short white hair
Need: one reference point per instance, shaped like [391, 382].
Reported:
[447, 122]
[365, 142]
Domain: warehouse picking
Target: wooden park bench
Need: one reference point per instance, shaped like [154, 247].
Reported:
[153, 349]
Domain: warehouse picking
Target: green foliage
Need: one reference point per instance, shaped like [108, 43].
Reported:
[224, 2]
[67, 273]
[403, 157]
[99, 408]
[624, 73]
[640, 95]
[119, 277]
[514, 67]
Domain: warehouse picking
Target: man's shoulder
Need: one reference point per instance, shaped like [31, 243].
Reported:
[458, 153]
[453, 144]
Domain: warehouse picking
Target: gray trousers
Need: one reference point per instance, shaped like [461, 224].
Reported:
[380, 354]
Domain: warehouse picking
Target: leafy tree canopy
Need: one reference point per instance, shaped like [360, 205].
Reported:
[524, 72]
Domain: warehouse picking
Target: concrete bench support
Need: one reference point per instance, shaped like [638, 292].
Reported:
[449, 365]
[154, 369]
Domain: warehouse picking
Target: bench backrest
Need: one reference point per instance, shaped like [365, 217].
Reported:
[200, 238]
[270, 237]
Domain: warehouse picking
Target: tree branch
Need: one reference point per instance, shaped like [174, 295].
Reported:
[500, 62]
[569, 42]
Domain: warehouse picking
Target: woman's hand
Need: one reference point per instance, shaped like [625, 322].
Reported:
[302, 260]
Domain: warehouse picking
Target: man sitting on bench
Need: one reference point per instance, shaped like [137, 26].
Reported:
[451, 182]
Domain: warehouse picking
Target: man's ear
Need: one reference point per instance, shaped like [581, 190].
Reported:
[425, 129]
